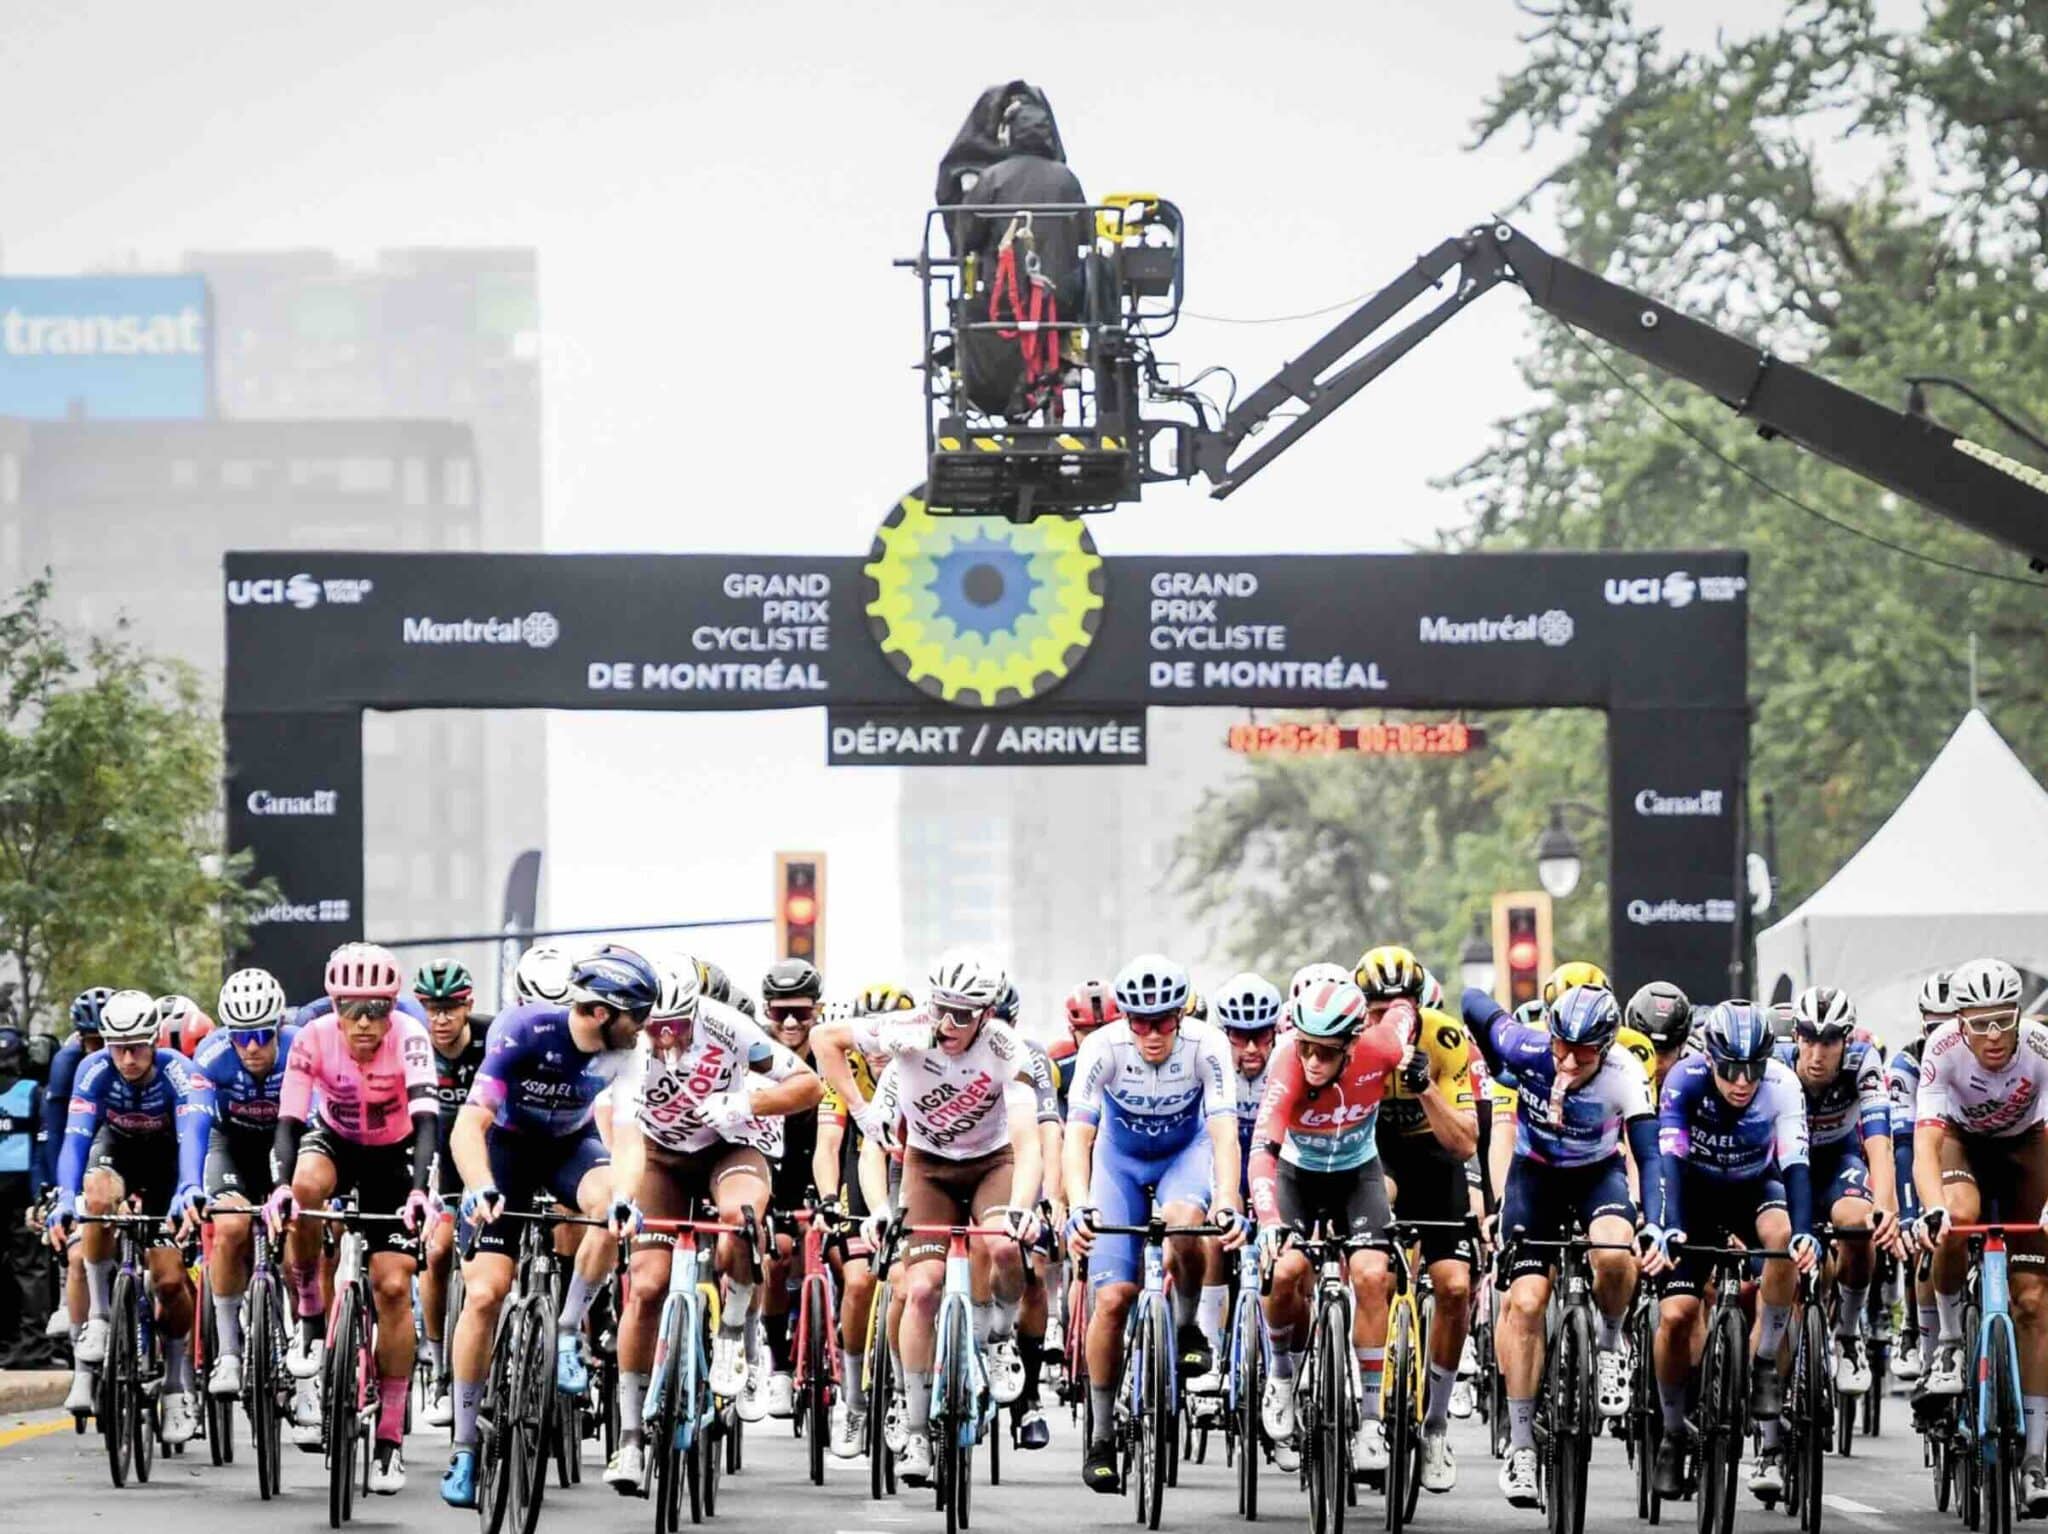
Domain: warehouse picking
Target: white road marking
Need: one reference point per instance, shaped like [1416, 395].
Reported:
[1849, 1505]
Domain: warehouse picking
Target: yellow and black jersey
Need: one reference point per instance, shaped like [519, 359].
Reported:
[863, 1077]
[1443, 1039]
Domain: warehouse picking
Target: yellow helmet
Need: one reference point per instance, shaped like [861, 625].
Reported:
[883, 997]
[1572, 972]
[1196, 1008]
[1387, 972]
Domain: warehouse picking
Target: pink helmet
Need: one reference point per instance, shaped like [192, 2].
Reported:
[363, 972]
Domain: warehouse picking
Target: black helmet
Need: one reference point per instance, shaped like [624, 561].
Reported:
[1661, 1012]
[1008, 1005]
[713, 981]
[792, 980]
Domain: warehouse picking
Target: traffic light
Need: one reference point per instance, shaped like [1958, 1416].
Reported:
[1521, 945]
[800, 906]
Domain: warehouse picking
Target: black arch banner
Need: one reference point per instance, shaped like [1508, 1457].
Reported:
[1659, 641]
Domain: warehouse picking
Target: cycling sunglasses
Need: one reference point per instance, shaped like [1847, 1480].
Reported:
[2004, 1020]
[1141, 1027]
[1252, 1035]
[1328, 1054]
[245, 1038]
[1741, 1070]
[375, 1008]
[956, 1019]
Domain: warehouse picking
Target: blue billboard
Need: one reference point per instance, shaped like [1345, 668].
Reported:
[106, 348]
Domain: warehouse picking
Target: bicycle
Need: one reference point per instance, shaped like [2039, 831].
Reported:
[1993, 1425]
[266, 1336]
[1810, 1407]
[1327, 1391]
[216, 1413]
[1250, 1351]
[1404, 1382]
[878, 1366]
[681, 1416]
[1645, 1421]
[1722, 1423]
[815, 1344]
[348, 1399]
[131, 1375]
[1877, 1348]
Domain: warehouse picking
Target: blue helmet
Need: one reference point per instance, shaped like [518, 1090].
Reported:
[85, 1008]
[1586, 1014]
[617, 977]
[1737, 1034]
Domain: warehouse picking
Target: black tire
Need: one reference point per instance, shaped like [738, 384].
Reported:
[261, 1371]
[1877, 1348]
[1315, 1475]
[494, 1433]
[2004, 1431]
[733, 1431]
[1250, 1392]
[816, 1301]
[1723, 1399]
[1333, 1342]
[1943, 1463]
[1399, 1369]
[533, 1404]
[1156, 1429]
[119, 1383]
[218, 1416]
[881, 1392]
[1813, 1393]
[1496, 1396]
[950, 1456]
[658, 1427]
[1646, 1417]
[342, 1407]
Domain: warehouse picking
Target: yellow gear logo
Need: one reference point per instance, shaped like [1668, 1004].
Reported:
[979, 612]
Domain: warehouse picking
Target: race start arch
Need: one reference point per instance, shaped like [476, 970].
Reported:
[970, 641]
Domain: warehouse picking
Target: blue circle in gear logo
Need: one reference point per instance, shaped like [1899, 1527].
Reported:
[979, 612]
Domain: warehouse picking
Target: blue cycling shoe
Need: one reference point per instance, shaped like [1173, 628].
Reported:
[572, 1375]
[458, 1481]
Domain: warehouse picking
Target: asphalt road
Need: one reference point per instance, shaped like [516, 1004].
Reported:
[55, 1480]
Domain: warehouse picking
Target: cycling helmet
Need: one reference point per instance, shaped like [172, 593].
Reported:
[86, 1006]
[883, 997]
[1660, 1012]
[1432, 992]
[679, 993]
[963, 978]
[1935, 1001]
[1735, 1033]
[792, 980]
[446, 980]
[542, 975]
[713, 981]
[363, 972]
[1315, 974]
[1247, 1003]
[1196, 1007]
[1824, 1014]
[1778, 1018]
[1586, 1014]
[1530, 1014]
[1009, 1004]
[129, 1017]
[1984, 983]
[1388, 972]
[742, 1003]
[1570, 973]
[252, 998]
[1091, 1004]
[615, 976]
[1332, 1009]
[1151, 985]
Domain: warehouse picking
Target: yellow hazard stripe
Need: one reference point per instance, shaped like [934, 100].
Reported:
[1071, 444]
[989, 444]
[950, 444]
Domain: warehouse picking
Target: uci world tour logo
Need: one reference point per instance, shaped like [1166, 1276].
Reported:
[980, 612]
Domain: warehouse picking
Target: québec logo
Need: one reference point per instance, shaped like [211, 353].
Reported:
[538, 630]
[321, 801]
[1644, 913]
[301, 591]
[1553, 628]
[301, 912]
[1678, 589]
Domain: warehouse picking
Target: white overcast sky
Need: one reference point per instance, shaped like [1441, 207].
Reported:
[715, 193]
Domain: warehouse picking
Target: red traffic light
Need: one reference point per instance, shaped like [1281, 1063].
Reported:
[800, 909]
[1522, 953]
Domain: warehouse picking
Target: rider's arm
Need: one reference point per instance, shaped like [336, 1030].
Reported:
[629, 1156]
[1902, 1081]
[1219, 1110]
[1447, 1100]
[1226, 1156]
[1674, 1145]
[830, 1046]
[472, 1158]
[1874, 1123]
[416, 1051]
[1481, 1013]
[1928, 1136]
[1027, 1171]
[1790, 1148]
[782, 1084]
[1276, 1108]
[82, 1122]
[874, 1175]
[192, 1116]
[56, 1108]
[825, 1155]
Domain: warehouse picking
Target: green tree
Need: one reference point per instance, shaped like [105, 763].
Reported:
[1719, 181]
[111, 864]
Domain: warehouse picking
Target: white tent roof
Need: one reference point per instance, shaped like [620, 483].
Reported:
[1958, 872]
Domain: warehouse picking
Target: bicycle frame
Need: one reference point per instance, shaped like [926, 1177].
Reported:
[817, 1233]
[692, 1289]
[958, 1297]
[1995, 1300]
[1247, 1323]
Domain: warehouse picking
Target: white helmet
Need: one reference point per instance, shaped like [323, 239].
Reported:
[1248, 1001]
[1824, 1012]
[1984, 983]
[679, 990]
[1935, 1000]
[1151, 985]
[129, 1017]
[1315, 974]
[542, 975]
[252, 998]
[962, 978]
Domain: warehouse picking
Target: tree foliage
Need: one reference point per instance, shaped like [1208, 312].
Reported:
[111, 866]
[1872, 202]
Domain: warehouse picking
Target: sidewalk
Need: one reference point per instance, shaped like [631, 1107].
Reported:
[24, 1390]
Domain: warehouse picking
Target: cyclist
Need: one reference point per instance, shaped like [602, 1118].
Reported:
[1979, 1152]
[542, 976]
[1248, 1010]
[244, 1062]
[702, 1108]
[1902, 1080]
[1661, 1013]
[1089, 1005]
[1425, 1137]
[180, 1025]
[837, 1169]
[376, 1130]
[960, 1165]
[1577, 1099]
[527, 1127]
[136, 1128]
[1732, 1127]
[792, 993]
[85, 1041]
[445, 988]
[1849, 1146]
[1315, 1161]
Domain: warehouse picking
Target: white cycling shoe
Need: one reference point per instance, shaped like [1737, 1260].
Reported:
[1005, 1371]
[914, 1463]
[176, 1419]
[728, 1365]
[1518, 1478]
[439, 1410]
[79, 1401]
[779, 1396]
[849, 1431]
[627, 1468]
[1439, 1465]
[1369, 1445]
[1276, 1410]
[1614, 1374]
[387, 1473]
[301, 1361]
[225, 1377]
[92, 1341]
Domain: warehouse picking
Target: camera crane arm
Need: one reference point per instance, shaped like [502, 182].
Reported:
[1908, 454]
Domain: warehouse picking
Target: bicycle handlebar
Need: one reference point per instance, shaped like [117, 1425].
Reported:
[1169, 1231]
[1994, 1228]
[354, 1216]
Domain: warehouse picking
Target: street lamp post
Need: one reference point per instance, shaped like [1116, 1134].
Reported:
[1475, 959]
[1559, 864]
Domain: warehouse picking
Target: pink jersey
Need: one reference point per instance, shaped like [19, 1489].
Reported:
[370, 1104]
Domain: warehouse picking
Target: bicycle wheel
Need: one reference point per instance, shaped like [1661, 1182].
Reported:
[1308, 1428]
[815, 1306]
[260, 1374]
[950, 1473]
[533, 1396]
[1335, 1411]
[494, 1432]
[1723, 1396]
[116, 1407]
[1646, 1417]
[1877, 1348]
[1813, 1393]
[881, 1381]
[342, 1351]
[1155, 1425]
[2002, 1432]
[1251, 1389]
[1400, 1432]
[704, 1437]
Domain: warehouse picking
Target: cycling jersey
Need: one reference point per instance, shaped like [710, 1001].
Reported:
[1152, 1108]
[1250, 1092]
[56, 1106]
[1320, 1129]
[536, 1078]
[667, 1096]
[454, 1074]
[953, 1104]
[1702, 1135]
[1902, 1085]
[365, 1102]
[172, 1102]
[1061, 1054]
[1956, 1090]
[243, 1104]
[863, 1077]
[1849, 1108]
[1443, 1040]
[1578, 1126]
[1632, 1043]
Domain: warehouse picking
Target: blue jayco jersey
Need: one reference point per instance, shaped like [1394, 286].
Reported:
[241, 1103]
[536, 1079]
[1852, 1106]
[1154, 1108]
[171, 1101]
[57, 1106]
[1902, 1086]
[1579, 1126]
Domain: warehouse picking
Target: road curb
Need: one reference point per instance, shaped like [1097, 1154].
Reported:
[32, 1389]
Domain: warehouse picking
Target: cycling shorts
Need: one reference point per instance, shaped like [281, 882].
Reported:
[1353, 1201]
[937, 1191]
[1715, 1209]
[380, 1176]
[238, 1163]
[1839, 1172]
[2011, 1175]
[1117, 1191]
[1543, 1200]
[677, 1184]
[523, 1165]
[147, 1166]
[1429, 1185]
